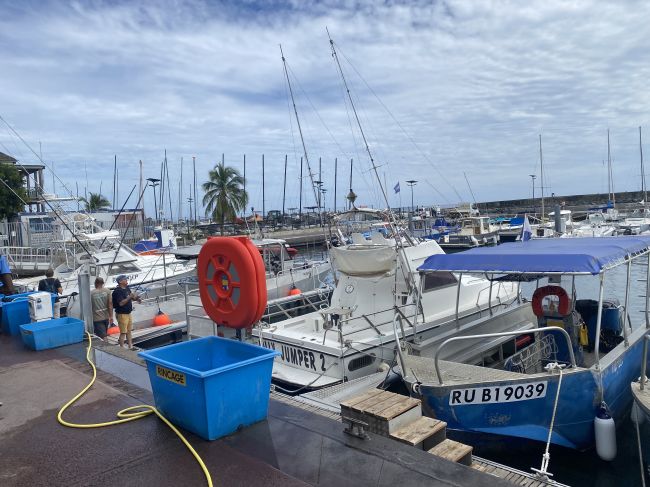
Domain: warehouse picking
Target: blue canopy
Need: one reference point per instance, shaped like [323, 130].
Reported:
[542, 256]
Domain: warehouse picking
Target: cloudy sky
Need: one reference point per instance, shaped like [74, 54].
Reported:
[442, 89]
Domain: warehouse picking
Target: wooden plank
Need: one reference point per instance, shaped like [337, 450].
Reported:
[360, 398]
[386, 403]
[415, 433]
[361, 406]
[453, 451]
[401, 407]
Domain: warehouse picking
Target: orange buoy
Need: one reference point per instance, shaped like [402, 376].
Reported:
[113, 330]
[294, 291]
[232, 281]
[161, 319]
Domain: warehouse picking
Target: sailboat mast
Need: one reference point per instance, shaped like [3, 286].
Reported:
[610, 173]
[541, 173]
[351, 163]
[180, 193]
[263, 191]
[284, 189]
[336, 163]
[643, 186]
[141, 182]
[302, 140]
[356, 116]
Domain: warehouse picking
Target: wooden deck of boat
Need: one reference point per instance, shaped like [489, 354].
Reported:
[642, 397]
[513, 476]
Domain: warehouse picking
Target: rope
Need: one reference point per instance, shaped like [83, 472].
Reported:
[126, 415]
[288, 391]
[638, 442]
[542, 472]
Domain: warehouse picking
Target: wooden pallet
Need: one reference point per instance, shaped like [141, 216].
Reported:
[423, 433]
[453, 451]
[384, 412]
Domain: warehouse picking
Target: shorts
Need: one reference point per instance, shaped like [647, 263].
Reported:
[125, 322]
[100, 328]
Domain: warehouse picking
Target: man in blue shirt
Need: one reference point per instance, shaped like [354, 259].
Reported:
[123, 305]
[6, 282]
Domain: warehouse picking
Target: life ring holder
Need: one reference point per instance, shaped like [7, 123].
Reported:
[564, 306]
[232, 281]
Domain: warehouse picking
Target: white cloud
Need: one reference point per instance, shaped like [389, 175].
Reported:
[472, 83]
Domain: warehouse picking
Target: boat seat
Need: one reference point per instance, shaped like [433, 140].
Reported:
[378, 239]
[359, 239]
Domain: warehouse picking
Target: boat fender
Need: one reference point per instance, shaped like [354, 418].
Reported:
[113, 330]
[161, 319]
[229, 281]
[294, 291]
[605, 432]
[564, 306]
[636, 415]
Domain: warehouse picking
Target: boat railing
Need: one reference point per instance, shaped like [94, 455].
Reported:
[436, 357]
[643, 379]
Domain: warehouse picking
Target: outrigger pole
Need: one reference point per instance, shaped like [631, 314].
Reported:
[302, 139]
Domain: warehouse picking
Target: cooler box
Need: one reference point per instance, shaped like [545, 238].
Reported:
[52, 333]
[16, 313]
[211, 386]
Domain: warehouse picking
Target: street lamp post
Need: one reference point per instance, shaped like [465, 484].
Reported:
[411, 183]
[532, 178]
[154, 182]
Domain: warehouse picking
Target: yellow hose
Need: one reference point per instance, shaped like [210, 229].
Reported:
[128, 414]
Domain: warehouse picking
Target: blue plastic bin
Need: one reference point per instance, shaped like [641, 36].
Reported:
[16, 313]
[211, 386]
[52, 333]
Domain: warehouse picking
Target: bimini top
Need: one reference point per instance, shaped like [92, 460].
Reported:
[543, 256]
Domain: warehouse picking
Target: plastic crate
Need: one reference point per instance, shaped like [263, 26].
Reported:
[47, 334]
[211, 386]
[16, 313]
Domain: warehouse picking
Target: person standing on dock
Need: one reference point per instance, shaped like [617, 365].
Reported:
[6, 281]
[123, 299]
[102, 301]
[52, 285]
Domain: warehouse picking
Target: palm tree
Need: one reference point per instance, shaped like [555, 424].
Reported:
[224, 194]
[96, 202]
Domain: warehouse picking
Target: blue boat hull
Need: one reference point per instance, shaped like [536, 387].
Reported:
[530, 418]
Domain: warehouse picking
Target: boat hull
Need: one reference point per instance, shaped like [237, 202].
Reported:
[529, 418]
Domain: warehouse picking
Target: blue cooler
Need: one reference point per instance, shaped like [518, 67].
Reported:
[43, 335]
[211, 386]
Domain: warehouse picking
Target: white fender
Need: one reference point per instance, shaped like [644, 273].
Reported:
[605, 432]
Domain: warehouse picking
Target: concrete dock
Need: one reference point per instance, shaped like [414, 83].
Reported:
[293, 447]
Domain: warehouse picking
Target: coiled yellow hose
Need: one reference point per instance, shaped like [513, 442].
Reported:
[128, 414]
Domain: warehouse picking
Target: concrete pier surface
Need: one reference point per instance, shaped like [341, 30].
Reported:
[294, 447]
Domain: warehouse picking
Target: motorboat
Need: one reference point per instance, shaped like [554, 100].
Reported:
[376, 278]
[547, 375]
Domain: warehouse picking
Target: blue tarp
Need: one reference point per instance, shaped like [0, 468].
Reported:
[541, 256]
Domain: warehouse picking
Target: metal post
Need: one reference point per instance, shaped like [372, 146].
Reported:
[642, 379]
[460, 278]
[164, 272]
[627, 300]
[647, 296]
[490, 294]
[85, 304]
[599, 320]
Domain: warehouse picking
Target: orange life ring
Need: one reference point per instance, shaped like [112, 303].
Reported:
[229, 282]
[260, 272]
[564, 307]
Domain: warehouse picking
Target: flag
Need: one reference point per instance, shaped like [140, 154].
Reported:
[526, 230]
[396, 187]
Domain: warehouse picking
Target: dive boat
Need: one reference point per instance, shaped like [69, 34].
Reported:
[571, 360]
[376, 278]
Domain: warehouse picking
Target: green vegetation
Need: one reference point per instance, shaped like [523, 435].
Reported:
[224, 194]
[11, 202]
[96, 202]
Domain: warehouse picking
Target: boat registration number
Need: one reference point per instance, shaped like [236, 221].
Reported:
[298, 356]
[489, 395]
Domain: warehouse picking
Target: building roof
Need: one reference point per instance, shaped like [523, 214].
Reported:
[7, 159]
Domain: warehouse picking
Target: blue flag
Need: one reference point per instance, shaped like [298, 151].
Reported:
[396, 188]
